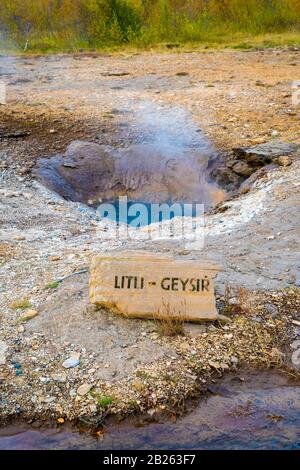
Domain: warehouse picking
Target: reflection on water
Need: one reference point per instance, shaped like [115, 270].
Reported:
[261, 412]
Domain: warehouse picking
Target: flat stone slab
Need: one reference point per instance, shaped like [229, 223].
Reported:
[146, 285]
[266, 153]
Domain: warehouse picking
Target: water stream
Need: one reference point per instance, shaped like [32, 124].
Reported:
[256, 411]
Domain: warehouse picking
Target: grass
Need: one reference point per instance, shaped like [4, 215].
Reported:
[49, 26]
[239, 41]
[169, 323]
[105, 400]
[52, 285]
[21, 304]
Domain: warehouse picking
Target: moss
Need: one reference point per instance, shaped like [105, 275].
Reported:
[105, 400]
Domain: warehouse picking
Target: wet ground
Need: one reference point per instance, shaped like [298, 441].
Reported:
[260, 411]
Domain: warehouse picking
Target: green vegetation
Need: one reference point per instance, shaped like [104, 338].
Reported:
[21, 304]
[52, 285]
[72, 25]
[105, 400]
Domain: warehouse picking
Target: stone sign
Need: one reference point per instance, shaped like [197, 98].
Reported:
[146, 285]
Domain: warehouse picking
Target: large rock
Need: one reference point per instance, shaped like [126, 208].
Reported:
[149, 286]
[263, 154]
[81, 174]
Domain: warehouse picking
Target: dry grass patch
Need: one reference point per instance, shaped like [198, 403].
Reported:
[169, 322]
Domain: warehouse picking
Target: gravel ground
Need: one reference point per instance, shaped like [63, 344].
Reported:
[59, 358]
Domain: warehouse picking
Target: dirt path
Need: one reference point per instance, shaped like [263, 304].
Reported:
[236, 99]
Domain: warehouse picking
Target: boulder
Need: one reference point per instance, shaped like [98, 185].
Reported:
[145, 285]
[81, 174]
[262, 154]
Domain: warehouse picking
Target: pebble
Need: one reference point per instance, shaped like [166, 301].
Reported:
[61, 378]
[228, 336]
[49, 400]
[71, 362]
[53, 258]
[234, 360]
[45, 379]
[84, 389]
[20, 237]
[284, 160]
[214, 364]
[272, 309]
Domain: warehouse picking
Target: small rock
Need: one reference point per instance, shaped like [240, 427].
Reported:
[45, 380]
[256, 319]
[3, 349]
[228, 336]
[84, 389]
[70, 165]
[49, 399]
[295, 344]
[53, 258]
[242, 168]
[234, 360]
[20, 237]
[71, 362]
[29, 315]
[214, 364]
[284, 160]
[271, 309]
[61, 378]
[21, 329]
